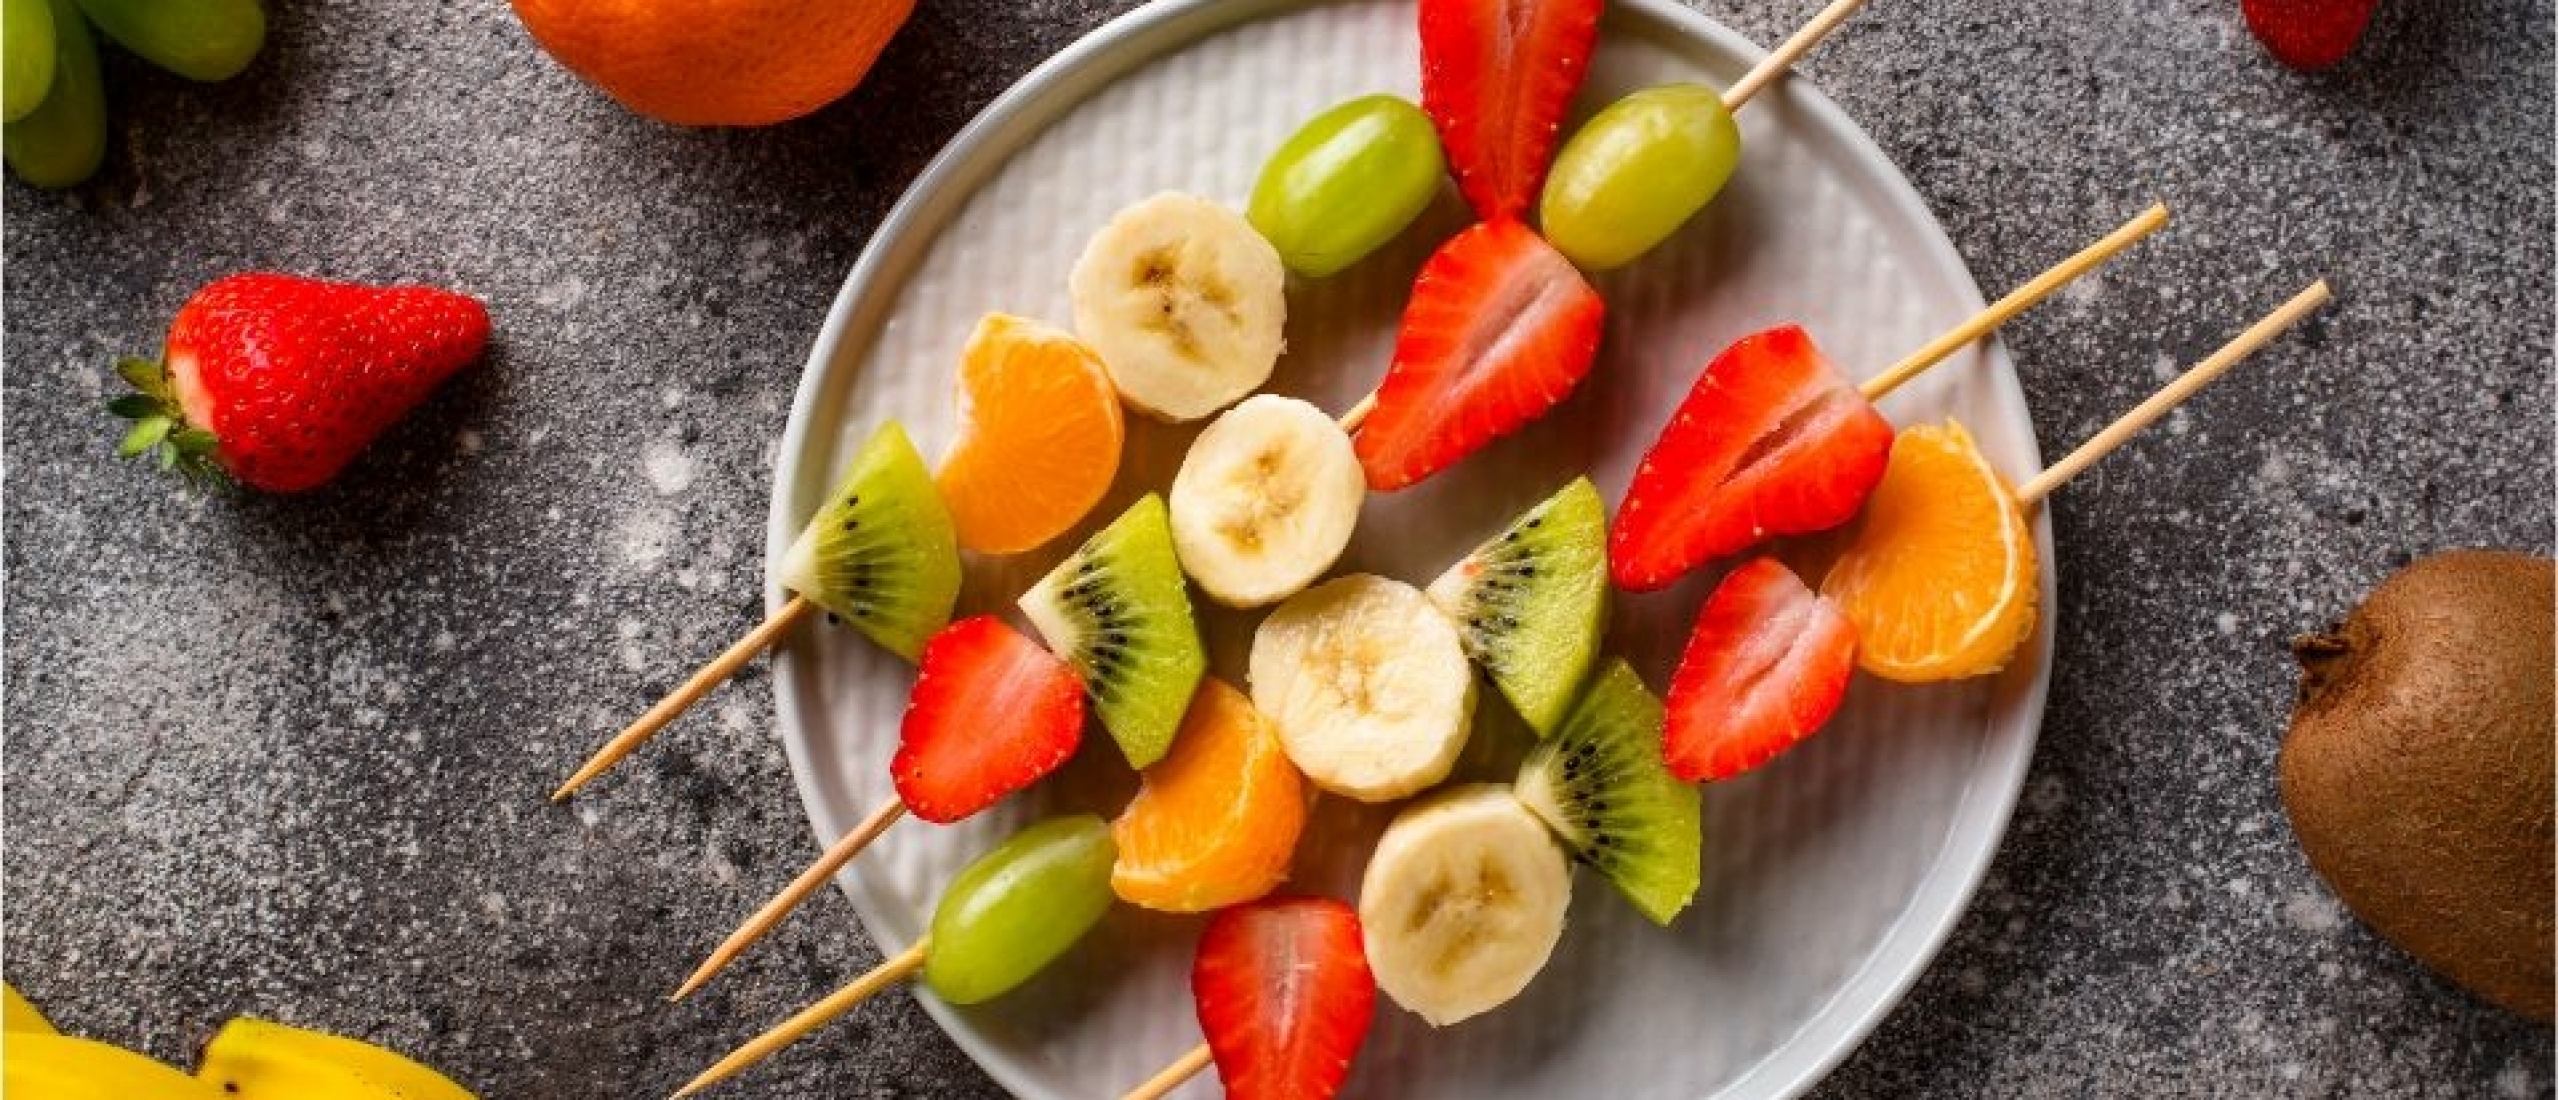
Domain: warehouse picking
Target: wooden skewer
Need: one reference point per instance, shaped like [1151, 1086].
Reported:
[721, 668]
[816, 875]
[2131, 423]
[1173, 1075]
[811, 1018]
[1786, 55]
[2142, 415]
[2017, 301]
[1767, 70]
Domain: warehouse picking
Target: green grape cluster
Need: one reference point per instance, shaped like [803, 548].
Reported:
[53, 107]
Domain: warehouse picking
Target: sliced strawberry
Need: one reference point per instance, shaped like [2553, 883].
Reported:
[2308, 34]
[1284, 996]
[1767, 665]
[1500, 327]
[1771, 441]
[992, 712]
[1497, 77]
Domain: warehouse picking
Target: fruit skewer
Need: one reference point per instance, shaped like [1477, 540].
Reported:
[1769, 440]
[1002, 919]
[993, 716]
[1267, 497]
[1597, 784]
[1501, 325]
[1937, 581]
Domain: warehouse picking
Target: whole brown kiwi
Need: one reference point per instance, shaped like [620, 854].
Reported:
[2418, 769]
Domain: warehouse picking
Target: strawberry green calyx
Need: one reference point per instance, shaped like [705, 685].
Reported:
[160, 431]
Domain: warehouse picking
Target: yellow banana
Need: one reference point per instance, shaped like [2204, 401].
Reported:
[253, 1059]
[36, 1066]
[17, 1013]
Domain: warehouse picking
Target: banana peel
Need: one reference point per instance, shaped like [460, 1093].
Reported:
[38, 1066]
[17, 1013]
[254, 1059]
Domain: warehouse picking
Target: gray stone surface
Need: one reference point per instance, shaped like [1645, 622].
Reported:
[286, 756]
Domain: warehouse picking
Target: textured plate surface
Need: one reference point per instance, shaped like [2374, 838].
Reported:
[1831, 875]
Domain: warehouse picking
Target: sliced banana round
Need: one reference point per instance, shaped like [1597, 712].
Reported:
[1462, 903]
[1368, 685]
[1265, 500]
[1184, 300]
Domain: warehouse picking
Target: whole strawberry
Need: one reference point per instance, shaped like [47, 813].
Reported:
[2308, 34]
[281, 380]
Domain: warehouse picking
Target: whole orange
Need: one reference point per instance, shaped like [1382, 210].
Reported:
[717, 62]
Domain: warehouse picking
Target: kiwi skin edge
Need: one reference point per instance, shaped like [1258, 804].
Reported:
[2418, 769]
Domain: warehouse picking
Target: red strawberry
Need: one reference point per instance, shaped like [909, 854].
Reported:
[1500, 327]
[1771, 441]
[2308, 34]
[992, 713]
[1766, 666]
[282, 379]
[1497, 76]
[1284, 996]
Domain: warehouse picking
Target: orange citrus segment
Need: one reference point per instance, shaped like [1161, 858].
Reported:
[1938, 574]
[1039, 435]
[1217, 819]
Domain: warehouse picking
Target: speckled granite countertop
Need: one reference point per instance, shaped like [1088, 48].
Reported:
[287, 755]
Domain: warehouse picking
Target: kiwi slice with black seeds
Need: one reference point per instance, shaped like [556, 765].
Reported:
[1118, 610]
[881, 553]
[1530, 604]
[1600, 784]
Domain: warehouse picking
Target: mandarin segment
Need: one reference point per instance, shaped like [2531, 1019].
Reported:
[1217, 820]
[1939, 574]
[1039, 436]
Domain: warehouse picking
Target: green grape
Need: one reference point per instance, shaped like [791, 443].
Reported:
[1019, 907]
[26, 56]
[64, 139]
[1636, 172]
[1346, 182]
[196, 39]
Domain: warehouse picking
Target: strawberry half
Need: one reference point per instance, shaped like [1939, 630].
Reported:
[1770, 441]
[1500, 327]
[282, 380]
[1284, 996]
[1497, 77]
[2308, 34]
[992, 713]
[1767, 665]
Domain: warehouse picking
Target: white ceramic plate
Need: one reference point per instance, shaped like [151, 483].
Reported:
[1831, 876]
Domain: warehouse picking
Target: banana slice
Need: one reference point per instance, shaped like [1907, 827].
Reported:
[1265, 501]
[1184, 300]
[1368, 686]
[1462, 903]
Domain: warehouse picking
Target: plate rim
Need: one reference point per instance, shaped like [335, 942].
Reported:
[1906, 948]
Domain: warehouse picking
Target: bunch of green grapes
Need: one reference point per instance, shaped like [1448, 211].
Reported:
[53, 107]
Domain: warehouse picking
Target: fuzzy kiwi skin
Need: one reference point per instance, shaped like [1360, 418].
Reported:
[2417, 773]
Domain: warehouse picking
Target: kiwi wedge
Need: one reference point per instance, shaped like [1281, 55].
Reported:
[1118, 610]
[881, 553]
[1599, 783]
[1530, 603]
